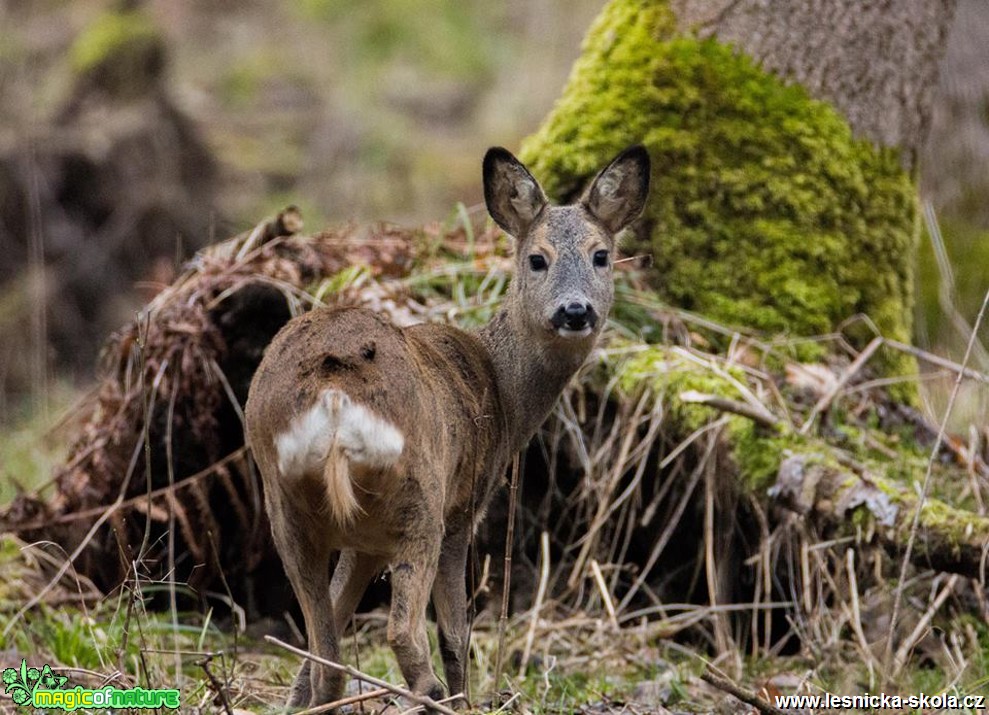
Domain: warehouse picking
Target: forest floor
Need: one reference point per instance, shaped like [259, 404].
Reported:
[575, 663]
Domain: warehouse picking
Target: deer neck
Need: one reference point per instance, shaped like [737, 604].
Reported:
[531, 372]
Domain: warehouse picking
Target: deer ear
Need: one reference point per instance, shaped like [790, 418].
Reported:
[513, 196]
[618, 193]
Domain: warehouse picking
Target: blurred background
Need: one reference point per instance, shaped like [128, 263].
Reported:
[133, 133]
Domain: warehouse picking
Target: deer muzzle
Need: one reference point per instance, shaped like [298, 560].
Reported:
[574, 319]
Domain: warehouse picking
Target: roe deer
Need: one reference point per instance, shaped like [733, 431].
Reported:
[386, 444]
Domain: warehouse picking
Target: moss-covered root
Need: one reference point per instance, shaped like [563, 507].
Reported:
[765, 211]
[802, 473]
[948, 539]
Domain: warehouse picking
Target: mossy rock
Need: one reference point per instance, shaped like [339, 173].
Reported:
[765, 213]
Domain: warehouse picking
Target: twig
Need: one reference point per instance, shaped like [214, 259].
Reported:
[925, 621]
[856, 614]
[898, 596]
[172, 594]
[850, 372]
[609, 606]
[711, 573]
[530, 636]
[507, 703]
[645, 259]
[506, 582]
[743, 695]
[217, 685]
[418, 708]
[933, 359]
[354, 673]
[351, 700]
[723, 404]
[703, 610]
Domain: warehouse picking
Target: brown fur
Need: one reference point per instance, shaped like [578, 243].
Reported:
[464, 404]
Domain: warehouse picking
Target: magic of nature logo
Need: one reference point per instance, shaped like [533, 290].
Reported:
[43, 688]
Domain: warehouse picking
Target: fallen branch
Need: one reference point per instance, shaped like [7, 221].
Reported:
[745, 696]
[420, 708]
[760, 416]
[939, 361]
[354, 673]
[221, 692]
[818, 484]
[350, 700]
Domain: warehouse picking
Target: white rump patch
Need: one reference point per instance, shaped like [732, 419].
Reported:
[364, 437]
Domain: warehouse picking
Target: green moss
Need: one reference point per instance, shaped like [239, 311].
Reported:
[759, 453]
[765, 211]
[957, 525]
[114, 34]
[670, 372]
[756, 451]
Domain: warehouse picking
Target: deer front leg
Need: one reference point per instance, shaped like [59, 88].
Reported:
[306, 560]
[450, 602]
[412, 573]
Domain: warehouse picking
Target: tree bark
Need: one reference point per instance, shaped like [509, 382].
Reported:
[956, 154]
[875, 60]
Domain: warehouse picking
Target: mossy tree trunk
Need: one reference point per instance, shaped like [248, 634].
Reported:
[780, 204]
[876, 62]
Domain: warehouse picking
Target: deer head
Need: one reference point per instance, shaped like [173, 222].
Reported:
[563, 287]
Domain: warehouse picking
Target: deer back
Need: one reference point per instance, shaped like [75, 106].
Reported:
[434, 384]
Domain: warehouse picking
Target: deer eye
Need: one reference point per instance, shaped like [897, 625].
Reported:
[537, 262]
[601, 258]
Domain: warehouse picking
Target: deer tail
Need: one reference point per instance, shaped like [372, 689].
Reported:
[340, 498]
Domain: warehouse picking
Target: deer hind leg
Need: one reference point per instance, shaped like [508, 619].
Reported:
[450, 602]
[351, 576]
[307, 562]
[412, 573]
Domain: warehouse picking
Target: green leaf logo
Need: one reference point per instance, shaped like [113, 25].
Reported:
[21, 684]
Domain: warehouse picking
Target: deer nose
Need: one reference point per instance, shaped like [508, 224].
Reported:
[574, 316]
